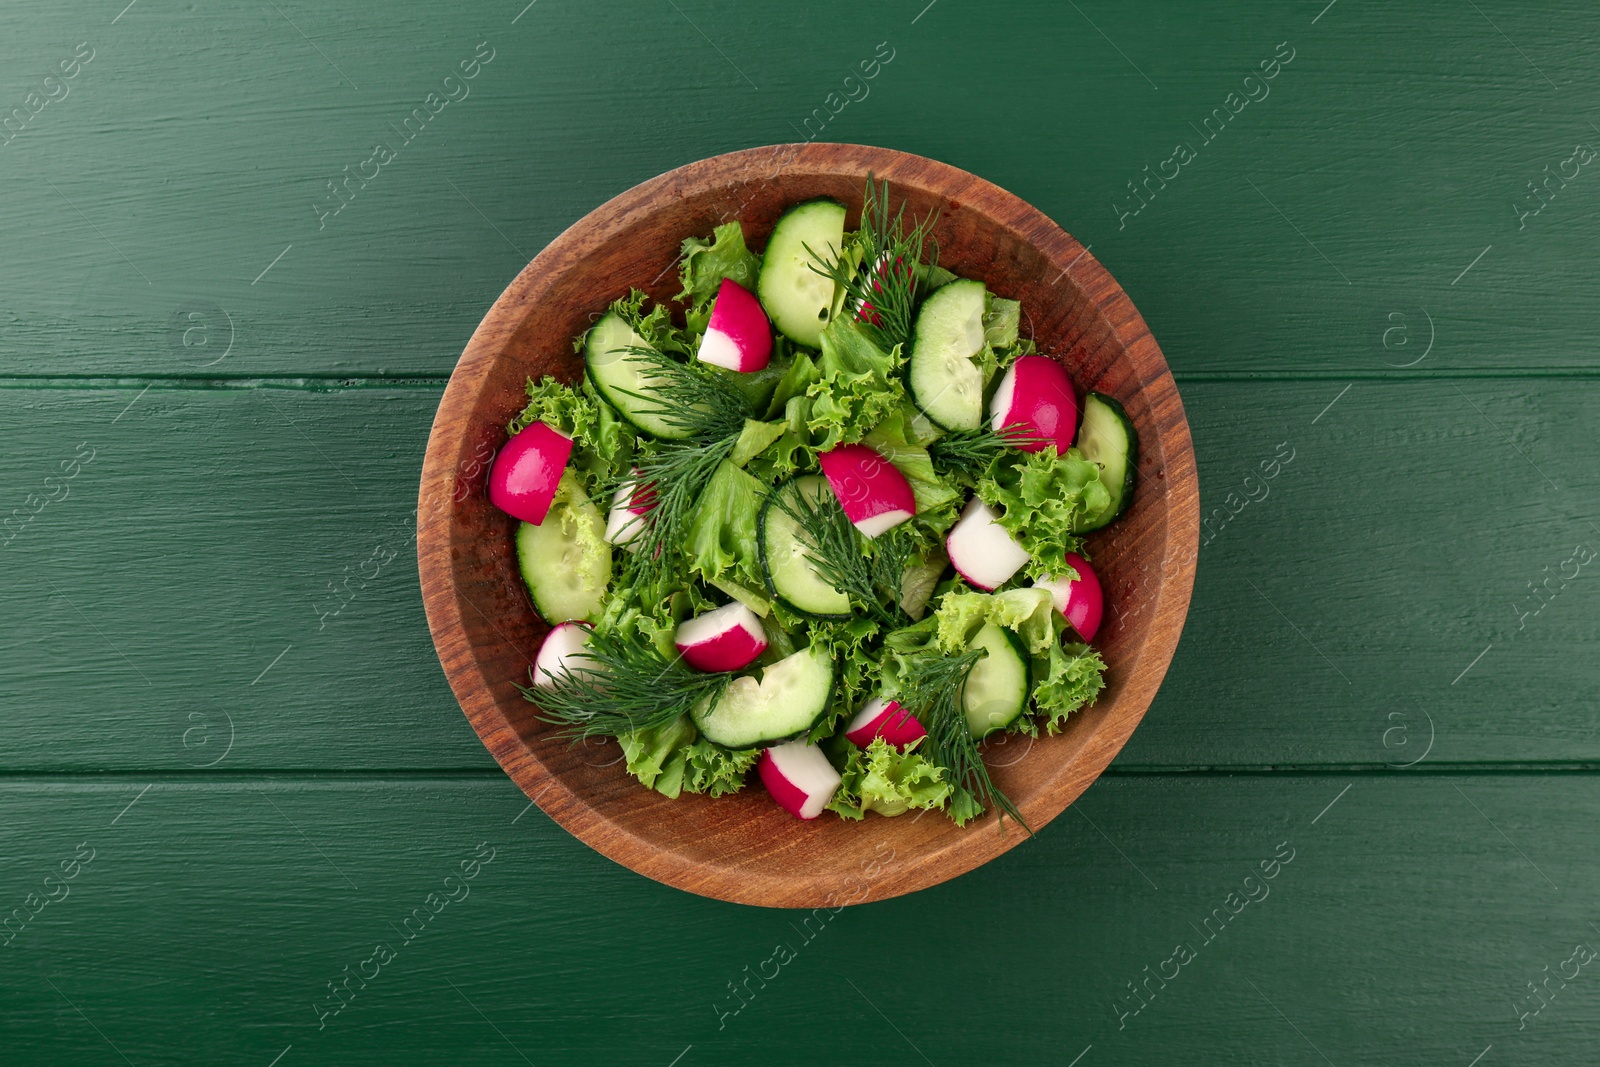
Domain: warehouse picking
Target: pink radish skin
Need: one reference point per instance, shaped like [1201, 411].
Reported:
[739, 335]
[874, 494]
[983, 551]
[563, 650]
[799, 777]
[1036, 395]
[1080, 599]
[626, 523]
[885, 719]
[725, 639]
[525, 474]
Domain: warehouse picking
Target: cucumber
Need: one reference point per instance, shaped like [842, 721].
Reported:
[945, 381]
[800, 301]
[565, 560]
[787, 702]
[785, 561]
[1107, 437]
[996, 691]
[621, 378]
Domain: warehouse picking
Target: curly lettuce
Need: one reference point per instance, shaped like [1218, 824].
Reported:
[707, 262]
[886, 780]
[1044, 500]
[721, 542]
[602, 444]
[1072, 677]
[848, 643]
[673, 759]
[858, 389]
[1026, 612]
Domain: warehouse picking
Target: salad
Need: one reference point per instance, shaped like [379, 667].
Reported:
[821, 517]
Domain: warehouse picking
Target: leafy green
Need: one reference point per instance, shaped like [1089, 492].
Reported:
[797, 378]
[849, 642]
[1072, 677]
[720, 541]
[1043, 500]
[888, 781]
[1026, 612]
[602, 444]
[754, 440]
[1000, 322]
[859, 387]
[672, 758]
[707, 262]
[654, 326]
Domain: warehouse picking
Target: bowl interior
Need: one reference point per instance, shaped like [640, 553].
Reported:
[744, 848]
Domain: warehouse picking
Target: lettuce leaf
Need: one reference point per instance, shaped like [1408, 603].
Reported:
[888, 781]
[1026, 612]
[938, 498]
[859, 387]
[654, 326]
[1072, 677]
[673, 759]
[1043, 499]
[855, 678]
[707, 262]
[1000, 322]
[797, 378]
[722, 535]
[754, 440]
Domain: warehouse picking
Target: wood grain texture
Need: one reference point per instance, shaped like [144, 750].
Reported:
[198, 141]
[208, 925]
[744, 848]
[1416, 566]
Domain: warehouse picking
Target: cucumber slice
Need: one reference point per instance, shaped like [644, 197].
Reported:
[621, 378]
[996, 691]
[785, 561]
[1107, 437]
[945, 381]
[800, 301]
[788, 700]
[565, 560]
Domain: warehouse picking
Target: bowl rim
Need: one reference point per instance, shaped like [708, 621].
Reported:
[976, 845]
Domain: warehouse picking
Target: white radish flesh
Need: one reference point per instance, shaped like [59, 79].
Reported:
[564, 649]
[982, 550]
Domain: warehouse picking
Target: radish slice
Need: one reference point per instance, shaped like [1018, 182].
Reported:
[525, 474]
[982, 550]
[885, 719]
[1079, 599]
[1036, 395]
[726, 639]
[799, 777]
[738, 336]
[874, 494]
[562, 645]
[626, 521]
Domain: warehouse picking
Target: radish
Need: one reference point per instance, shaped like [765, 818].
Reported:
[1079, 599]
[799, 777]
[561, 646]
[725, 639]
[982, 550]
[874, 494]
[626, 522]
[885, 719]
[1036, 395]
[738, 336]
[525, 474]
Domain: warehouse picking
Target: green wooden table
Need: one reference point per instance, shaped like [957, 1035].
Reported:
[229, 763]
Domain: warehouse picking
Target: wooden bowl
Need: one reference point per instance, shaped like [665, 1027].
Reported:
[743, 848]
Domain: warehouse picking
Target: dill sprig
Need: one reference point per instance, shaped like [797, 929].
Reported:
[699, 403]
[674, 475]
[931, 689]
[627, 685]
[883, 287]
[970, 452]
[869, 574]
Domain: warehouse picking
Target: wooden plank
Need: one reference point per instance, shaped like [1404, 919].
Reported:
[201, 540]
[214, 914]
[203, 204]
